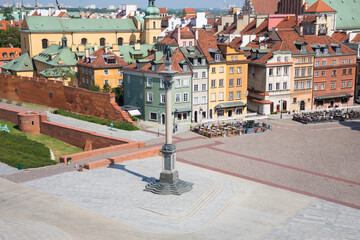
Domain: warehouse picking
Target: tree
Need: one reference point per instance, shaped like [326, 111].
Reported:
[119, 96]
[13, 36]
[106, 88]
[8, 14]
[94, 88]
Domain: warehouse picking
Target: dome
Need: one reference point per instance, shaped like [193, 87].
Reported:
[151, 11]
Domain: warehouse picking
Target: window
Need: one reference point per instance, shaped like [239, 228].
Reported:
[186, 97]
[106, 72]
[303, 72]
[178, 83]
[344, 72]
[302, 85]
[149, 96]
[178, 98]
[217, 57]
[196, 75]
[84, 41]
[323, 86]
[323, 62]
[213, 83]
[213, 70]
[153, 116]
[162, 83]
[333, 85]
[185, 82]
[294, 100]
[179, 117]
[333, 73]
[119, 72]
[203, 87]
[239, 70]
[297, 60]
[221, 82]
[231, 96]
[278, 71]
[297, 72]
[308, 84]
[309, 59]
[285, 85]
[162, 98]
[120, 82]
[196, 100]
[128, 79]
[317, 63]
[277, 86]
[350, 61]
[349, 84]
[203, 74]
[154, 24]
[213, 97]
[185, 115]
[196, 88]
[203, 100]
[334, 62]
[343, 84]
[238, 82]
[220, 113]
[120, 41]
[309, 72]
[154, 39]
[5, 55]
[232, 70]
[323, 74]
[286, 71]
[304, 60]
[316, 87]
[278, 59]
[286, 59]
[344, 61]
[221, 96]
[270, 72]
[296, 87]
[238, 95]
[102, 42]
[45, 43]
[270, 86]
[231, 82]
[350, 71]
[149, 82]
[221, 69]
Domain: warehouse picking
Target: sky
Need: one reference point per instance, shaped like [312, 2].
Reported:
[143, 3]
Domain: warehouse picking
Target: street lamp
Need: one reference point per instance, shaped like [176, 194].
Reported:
[169, 182]
[280, 101]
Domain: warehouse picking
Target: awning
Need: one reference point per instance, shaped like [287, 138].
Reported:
[334, 96]
[230, 105]
[134, 113]
[179, 110]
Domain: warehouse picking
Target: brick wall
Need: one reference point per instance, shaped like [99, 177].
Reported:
[54, 94]
[9, 115]
[77, 137]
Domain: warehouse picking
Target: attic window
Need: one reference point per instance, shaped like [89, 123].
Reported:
[153, 68]
[12, 55]
[203, 61]
[5, 55]
[110, 60]
[217, 57]
[138, 66]
[185, 68]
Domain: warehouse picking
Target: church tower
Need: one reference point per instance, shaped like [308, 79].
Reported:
[152, 22]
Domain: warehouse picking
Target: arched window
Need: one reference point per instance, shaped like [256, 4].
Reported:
[154, 24]
[154, 39]
[5, 55]
[120, 41]
[102, 42]
[45, 43]
[84, 41]
[1, 25]
[12, 55]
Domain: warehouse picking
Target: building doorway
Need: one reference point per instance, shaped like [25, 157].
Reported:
[302, 105]
[278, 108]
[211, 113]
[196, 116]
[332, 103]
[284, 108]
[271, 107]
[229, 113]
[163, 119]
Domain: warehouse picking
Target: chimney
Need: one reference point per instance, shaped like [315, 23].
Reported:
[87, 53]
[137, 46]
[179, 33]
[196, 34]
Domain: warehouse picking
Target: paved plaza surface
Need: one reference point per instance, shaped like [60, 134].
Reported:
[294, 182]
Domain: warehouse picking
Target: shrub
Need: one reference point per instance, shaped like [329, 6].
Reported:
[106, 122]
[94, 88]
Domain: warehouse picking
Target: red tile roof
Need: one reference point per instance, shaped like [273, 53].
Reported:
[265, 6]
[7, 54]
[207, 41]
[310, 19]
[99, 61]
[356, 39]
[341, 36]
[312, 39]
[288, 22]
[229, 30]
[163, 10]
[319, 6]
[189, 10]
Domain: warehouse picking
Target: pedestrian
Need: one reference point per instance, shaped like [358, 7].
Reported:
[176, 127]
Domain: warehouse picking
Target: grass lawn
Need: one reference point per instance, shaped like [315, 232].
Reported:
[30, 105]
[119, 125]
[59, 148]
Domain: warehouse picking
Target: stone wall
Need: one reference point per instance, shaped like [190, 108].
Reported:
[54, 94]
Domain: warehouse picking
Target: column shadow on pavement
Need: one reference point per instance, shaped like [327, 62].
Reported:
[123, 168]
[353, 125]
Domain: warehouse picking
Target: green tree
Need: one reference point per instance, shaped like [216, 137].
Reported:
[94, 88]
[7, 14]
[119, 96]
[13, 36]
[106, 88]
